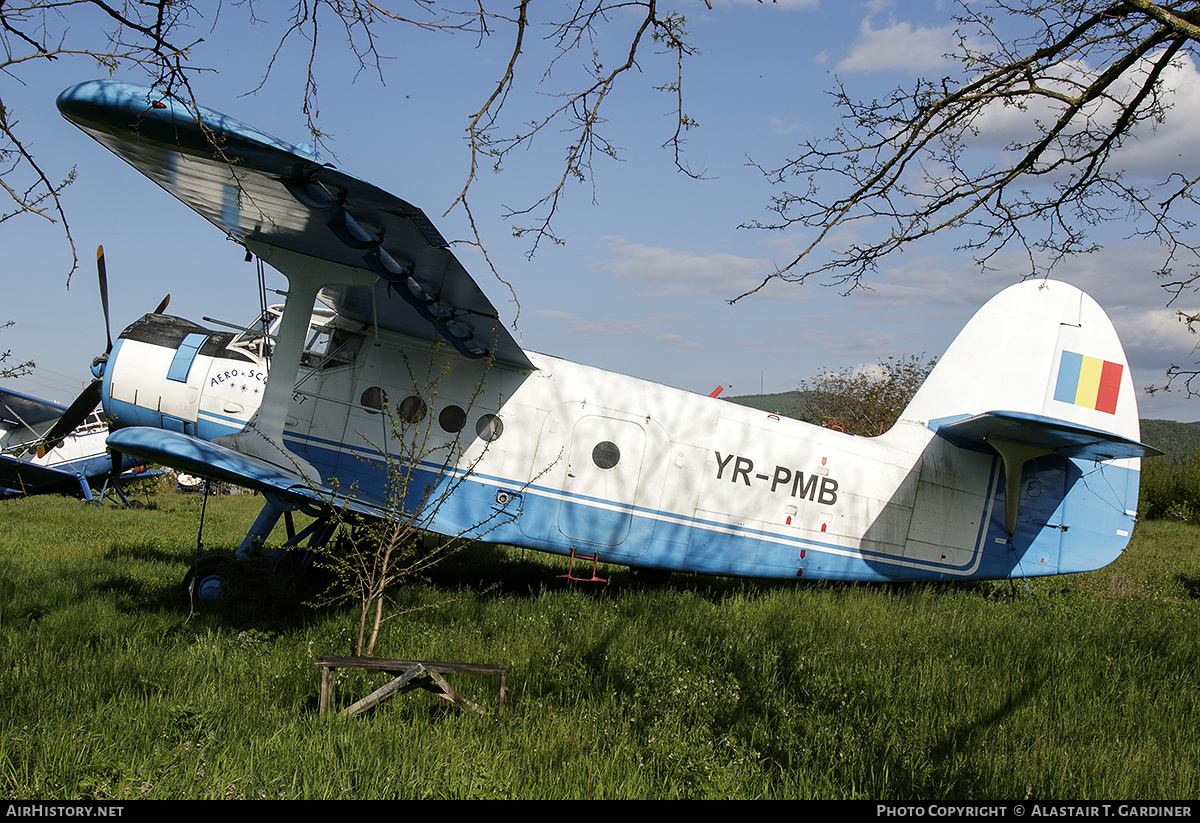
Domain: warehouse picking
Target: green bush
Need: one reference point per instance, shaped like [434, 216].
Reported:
[1170, 488]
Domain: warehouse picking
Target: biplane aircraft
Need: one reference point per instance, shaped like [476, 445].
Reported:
[46, 448]
[1019, 456]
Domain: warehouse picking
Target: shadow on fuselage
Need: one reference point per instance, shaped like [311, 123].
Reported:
[946, 521]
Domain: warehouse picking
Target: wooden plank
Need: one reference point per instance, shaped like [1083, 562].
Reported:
[449, 693]
[410, 674]
[382, 664]
[383, 693]
[328, 686]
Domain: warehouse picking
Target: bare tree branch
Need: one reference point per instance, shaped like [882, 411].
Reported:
[901, 169]
[157, 38]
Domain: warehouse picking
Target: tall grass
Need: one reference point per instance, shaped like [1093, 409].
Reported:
[1084, 688]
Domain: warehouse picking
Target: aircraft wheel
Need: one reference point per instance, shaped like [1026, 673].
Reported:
[210, 576]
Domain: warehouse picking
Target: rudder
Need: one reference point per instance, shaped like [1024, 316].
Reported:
[1039, 378]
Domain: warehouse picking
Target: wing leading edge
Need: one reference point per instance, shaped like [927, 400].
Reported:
[261, 190]
[206, 459]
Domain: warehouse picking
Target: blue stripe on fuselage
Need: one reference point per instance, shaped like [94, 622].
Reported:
[659, 538]
[686, 542]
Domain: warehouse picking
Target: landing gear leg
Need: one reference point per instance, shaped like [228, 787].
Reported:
[257, 536]
[209, 576]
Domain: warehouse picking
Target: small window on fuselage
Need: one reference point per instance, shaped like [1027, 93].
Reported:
[372, 399]
[452, 419]
[412, 409]
[489, 427]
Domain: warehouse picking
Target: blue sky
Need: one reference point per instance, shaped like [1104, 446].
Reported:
[651, 256]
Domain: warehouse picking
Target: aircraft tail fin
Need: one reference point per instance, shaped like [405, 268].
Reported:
[1039, 350]
[1038, 371]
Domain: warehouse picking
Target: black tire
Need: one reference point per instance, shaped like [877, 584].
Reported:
[208, 580]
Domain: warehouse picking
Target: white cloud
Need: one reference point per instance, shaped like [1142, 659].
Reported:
[900, 46]
[678, 342]
[783, 4]
[1169, 146]
[1153, 150]
[667, 272]
[611, 326]
[779, 126]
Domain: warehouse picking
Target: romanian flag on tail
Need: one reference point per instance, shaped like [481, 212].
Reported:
[1089, 382]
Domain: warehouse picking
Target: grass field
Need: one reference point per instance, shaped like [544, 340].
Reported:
[1085, 687]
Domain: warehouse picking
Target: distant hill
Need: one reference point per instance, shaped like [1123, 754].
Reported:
[1171, 436]
[784, 404]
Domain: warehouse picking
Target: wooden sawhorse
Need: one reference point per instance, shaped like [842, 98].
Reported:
[409, 674]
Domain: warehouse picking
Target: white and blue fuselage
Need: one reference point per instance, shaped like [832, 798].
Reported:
[407, 395]
[571, 459]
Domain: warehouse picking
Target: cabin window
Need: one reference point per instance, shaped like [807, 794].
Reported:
[412, 409]
[372, 399]
[452, 419]
[606, 455]
[489, 427]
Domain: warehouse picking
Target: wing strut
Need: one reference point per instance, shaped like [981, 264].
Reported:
[263, 437]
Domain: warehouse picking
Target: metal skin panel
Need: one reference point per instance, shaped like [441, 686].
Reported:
[701, 484]
[219, 397]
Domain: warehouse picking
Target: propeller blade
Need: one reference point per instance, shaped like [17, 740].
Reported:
[76, 413]
[90, 397]
[100, 268]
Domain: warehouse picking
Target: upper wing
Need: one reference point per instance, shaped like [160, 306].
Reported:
[20, 411]
[260, 189]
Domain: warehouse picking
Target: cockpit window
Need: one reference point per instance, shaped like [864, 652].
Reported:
[329, 347]
[326, 346]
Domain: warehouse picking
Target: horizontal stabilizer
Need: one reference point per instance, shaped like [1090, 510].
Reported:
[205, 459]
[1019, 437]
[1059, 436]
